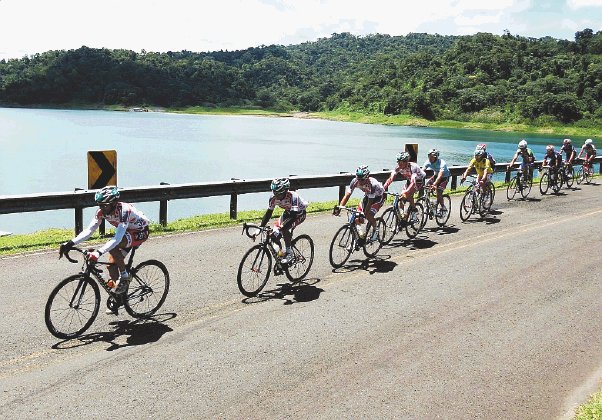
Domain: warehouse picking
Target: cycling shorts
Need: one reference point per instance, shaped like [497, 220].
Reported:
[289, 221]
[136, 237]
[442, 185]
[377, 203]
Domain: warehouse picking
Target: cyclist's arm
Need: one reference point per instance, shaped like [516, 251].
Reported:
[389, 180]
[438, 178]
[87, 232]
[266, 217]
[113, 242]
[580, 153]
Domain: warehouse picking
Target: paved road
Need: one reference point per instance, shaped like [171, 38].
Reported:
[488, 319]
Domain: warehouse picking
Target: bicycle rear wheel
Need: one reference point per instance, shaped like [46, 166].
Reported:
[341, 247]
[254, 270]
[147, 290]
[371, 247]
[424, 201]
[544, 184]
[556, 183]
[390, 225]
[441, 217]
[512, 189]
[466, 206]
[303, 251]
[414, 222]
[72, 306]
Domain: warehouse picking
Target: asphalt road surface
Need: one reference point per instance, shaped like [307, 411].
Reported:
[494, 318]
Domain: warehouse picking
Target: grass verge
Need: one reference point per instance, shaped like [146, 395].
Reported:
[591, 410]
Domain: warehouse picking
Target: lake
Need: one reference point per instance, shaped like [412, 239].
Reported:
[46, 151]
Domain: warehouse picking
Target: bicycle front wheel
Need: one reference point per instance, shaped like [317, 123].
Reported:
[442, 216]
[341, 247]
[556, 183]
[414, 222]
[303, 251]
[372, 246]
[544, 184]
[390, 225]
[526, 183]
[570, 177]
[466, 206]
[427, 209]
[72, 306]
[254, 270]
[512, 189]
[147, 290]
[579, 176]
[589, 174]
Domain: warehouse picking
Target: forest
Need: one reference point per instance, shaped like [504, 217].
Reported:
[482, 77]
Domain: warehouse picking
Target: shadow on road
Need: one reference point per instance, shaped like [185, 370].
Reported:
[419, 242]
[379, 264]
[445, 230]
[304, 291]
[137, 332]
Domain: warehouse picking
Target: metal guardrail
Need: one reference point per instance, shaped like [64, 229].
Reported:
[80, 199]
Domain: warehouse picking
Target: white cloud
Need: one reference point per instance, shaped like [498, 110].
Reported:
[576, 4]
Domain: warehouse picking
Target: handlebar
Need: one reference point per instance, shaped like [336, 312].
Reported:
[248, 227]
[353, 209]
[66, 254]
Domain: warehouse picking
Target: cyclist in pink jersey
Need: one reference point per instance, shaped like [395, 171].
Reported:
[414, 176]
[131, 230]
[294, 213]
[374, 197]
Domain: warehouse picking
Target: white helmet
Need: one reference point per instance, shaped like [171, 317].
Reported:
[522, 144]
[588, 142]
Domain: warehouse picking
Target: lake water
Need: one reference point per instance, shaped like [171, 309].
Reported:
[46, 151]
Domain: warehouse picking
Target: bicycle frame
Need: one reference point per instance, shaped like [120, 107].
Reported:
[267, 242]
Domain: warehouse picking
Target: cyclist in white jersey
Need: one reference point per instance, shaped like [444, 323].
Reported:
[414, 176]
[131, 230]
[374, 197]
[294, 213]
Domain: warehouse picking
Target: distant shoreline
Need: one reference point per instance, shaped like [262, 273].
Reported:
[348, 116]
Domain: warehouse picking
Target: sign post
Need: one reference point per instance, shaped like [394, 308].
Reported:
[412, 149]
[102, 171]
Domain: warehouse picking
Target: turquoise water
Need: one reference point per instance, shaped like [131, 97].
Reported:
[45, 151]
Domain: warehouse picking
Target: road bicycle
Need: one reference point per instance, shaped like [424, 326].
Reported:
[585, 173]
[73, 304]
[521, 184]
[476, 201]
[568, 174]
[432, 208]
[256, 265]
[394, 221]
[347, 238]
[550, 178]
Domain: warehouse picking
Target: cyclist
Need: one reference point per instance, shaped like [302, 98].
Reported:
[412, 173]
[569, 150]
[590, 153]
[374, 197]
[294, 213]
[483, 167]
[440, 177]
[131, 229]
[528, 158]
[553, 159]
[489, 156]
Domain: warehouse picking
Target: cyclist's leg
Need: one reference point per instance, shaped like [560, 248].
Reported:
[116, 257]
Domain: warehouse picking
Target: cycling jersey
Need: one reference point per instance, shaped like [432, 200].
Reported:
[371, 187]
[480, 166]
[555, 160]
[568, 149]
[437, 166]
[526, 154]
[412, 172]
[291, 201]
[589, 151]
[129, 222]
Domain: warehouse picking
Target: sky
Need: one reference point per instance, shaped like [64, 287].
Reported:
[28, 27]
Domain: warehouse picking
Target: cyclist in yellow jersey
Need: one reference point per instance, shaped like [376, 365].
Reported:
[483, 167]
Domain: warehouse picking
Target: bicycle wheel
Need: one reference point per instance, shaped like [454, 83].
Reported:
[372, 246]
[414, 222]
[427, 208]
[147, 290]
[588, 174]
[254, 270]
[466, 206]
[544, 184]
[556, 183]
[492, 189]
[512, 188]
[72, 306]
[303, 251]
[580, 176]
[442, 217]
[342, 246]
[527, 183]
[487, 198]
[569, 176]
[390, 225]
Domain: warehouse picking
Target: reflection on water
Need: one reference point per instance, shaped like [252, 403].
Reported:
[45, 151]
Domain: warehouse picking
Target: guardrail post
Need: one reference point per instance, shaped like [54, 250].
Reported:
[79, 220]
[233, 206]
[163, 209]
[454, 183]
[508, 172]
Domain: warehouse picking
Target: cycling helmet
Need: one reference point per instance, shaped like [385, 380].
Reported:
[107, 195]
[481, 146]
[403, 157]
[480, 153]
[566, 141]
[362, 172]
[549, 148]
[588, 142]
[433, 152]
[280, 185]
[522, 144]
